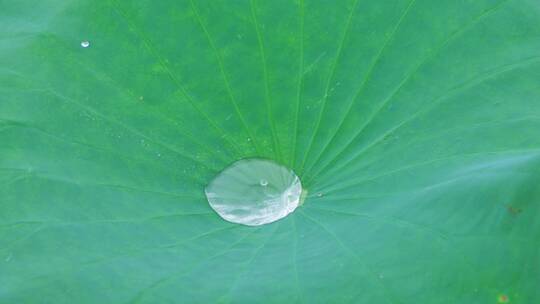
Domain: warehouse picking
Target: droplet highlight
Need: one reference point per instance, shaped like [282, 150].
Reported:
[254, 192]
[85, 43]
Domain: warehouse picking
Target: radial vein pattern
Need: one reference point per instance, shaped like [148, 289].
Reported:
[412, 124]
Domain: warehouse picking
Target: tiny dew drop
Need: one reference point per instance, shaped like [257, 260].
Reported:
[254, 192]
[85, 43]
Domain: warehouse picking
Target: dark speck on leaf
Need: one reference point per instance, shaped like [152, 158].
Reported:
[513, 210]
[503, 298]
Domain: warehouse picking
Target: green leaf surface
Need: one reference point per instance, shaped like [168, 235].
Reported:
[414, 126]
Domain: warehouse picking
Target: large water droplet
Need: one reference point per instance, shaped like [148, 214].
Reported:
[254, 192]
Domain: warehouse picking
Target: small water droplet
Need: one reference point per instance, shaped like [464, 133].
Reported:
[319, 194]
[249, 139]
[85, 43]
[158, 154]
[254, 192]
